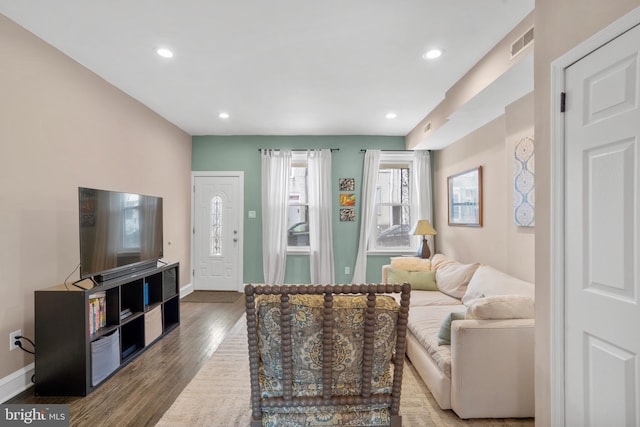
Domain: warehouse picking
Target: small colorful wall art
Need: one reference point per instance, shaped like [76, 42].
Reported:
[347, 184]
[347, 199]
[523, 183]
[347, 214]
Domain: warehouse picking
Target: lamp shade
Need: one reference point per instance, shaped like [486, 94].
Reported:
[423, 228]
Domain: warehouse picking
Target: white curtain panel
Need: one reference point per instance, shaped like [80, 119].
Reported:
[367, 212]
[320, 214]
[276, 167]
[423, 209]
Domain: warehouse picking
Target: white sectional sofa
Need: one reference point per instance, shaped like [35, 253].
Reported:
[485, 367]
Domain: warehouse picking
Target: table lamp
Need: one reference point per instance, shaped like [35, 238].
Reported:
[423, 228]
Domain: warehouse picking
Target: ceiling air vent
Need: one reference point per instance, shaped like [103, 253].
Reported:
[426, 128]
[525, 40]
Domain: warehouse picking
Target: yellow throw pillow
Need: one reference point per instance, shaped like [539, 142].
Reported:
[419, 280]
[411, 263]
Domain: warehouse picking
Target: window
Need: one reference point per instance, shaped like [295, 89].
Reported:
[298, 206]
[215, 233]
[393, 218]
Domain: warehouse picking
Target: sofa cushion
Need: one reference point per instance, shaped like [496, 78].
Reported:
[502, 307]
[489, 281]
[419, 298]
[453, 277]
[424, 324]
[408, 263]
[419, 280]
[444, 333]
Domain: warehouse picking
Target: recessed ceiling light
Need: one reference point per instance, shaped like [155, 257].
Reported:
[391, 115]
[223, 115]
[432, 54]
[164, 52]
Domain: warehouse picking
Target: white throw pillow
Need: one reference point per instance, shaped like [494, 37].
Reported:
[453, 278]
[439, 260]
[411, 263]
[502, 307]
[487, 281]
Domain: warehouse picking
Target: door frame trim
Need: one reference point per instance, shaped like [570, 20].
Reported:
[557, 211]
[217, 174]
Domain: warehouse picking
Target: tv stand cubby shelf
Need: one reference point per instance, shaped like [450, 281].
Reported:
[86, 335]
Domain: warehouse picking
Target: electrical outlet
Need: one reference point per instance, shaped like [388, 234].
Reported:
[347, 270]
[13, 339]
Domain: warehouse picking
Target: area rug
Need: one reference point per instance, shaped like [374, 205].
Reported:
[219, 394]
[212, 296]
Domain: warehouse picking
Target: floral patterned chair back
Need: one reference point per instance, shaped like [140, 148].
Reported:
[325, 355]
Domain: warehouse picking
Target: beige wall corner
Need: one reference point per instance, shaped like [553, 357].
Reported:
[62, 127]
[487, 71]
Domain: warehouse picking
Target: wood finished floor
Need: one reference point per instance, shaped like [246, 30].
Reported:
[143, 390]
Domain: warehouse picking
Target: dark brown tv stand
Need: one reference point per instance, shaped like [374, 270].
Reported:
[140, 308]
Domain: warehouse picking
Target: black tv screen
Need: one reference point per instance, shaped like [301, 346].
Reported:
[118, 231]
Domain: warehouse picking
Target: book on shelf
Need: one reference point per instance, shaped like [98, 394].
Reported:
[97, 311]
[125, 313]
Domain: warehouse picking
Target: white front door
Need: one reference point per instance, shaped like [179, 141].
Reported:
[217, 232]
[602, 236]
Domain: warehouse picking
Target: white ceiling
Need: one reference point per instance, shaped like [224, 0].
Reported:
[278, 67]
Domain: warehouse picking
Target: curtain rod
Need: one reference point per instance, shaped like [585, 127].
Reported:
[364, 150]
[296, 149]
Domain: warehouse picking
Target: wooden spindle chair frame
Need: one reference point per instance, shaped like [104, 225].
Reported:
[366, 397]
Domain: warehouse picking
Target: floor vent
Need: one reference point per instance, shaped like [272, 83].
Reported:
[525, 40]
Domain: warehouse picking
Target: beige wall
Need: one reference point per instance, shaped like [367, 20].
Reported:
[498, 242]
[62, 127]
[490, 68]
[560, 26]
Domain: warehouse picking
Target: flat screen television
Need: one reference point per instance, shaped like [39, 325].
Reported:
[119, 232]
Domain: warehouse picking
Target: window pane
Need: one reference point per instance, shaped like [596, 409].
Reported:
[298, 185]
[393, 219]
[215, 233]
[298, 210]
[298, 230]
[396, 234]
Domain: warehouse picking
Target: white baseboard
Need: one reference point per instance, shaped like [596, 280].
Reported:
[186, 290]
[17, 382]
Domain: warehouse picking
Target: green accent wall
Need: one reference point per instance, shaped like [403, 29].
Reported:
[241, 153]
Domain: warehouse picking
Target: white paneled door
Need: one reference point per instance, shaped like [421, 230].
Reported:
[602, 236]
[217, 231]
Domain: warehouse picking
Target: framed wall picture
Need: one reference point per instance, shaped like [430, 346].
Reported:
[347, 184]
[465, 198]
[347, 214]
[347, 199]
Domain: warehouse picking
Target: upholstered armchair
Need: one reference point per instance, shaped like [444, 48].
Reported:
[323, 355]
